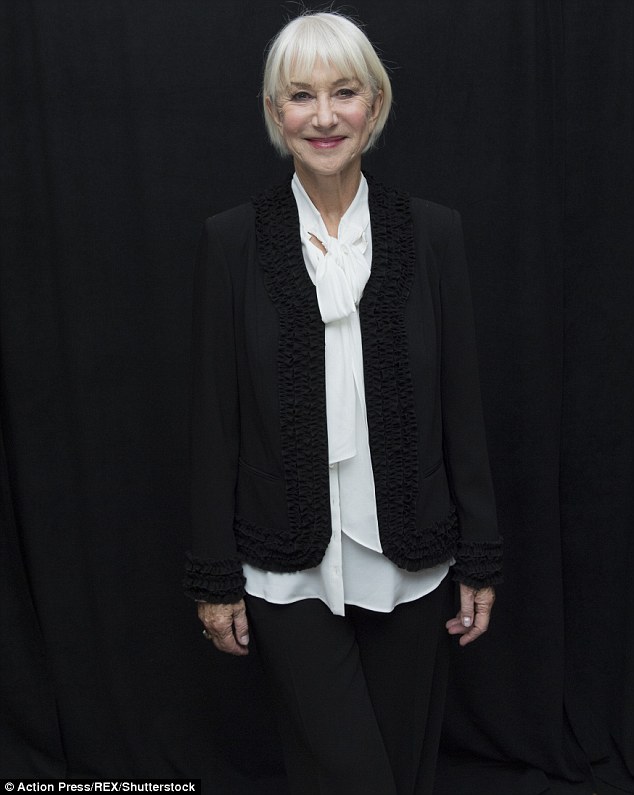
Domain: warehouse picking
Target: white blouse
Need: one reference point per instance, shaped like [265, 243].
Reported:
[353, 570]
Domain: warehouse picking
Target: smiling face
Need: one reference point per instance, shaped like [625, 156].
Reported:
[326, 122]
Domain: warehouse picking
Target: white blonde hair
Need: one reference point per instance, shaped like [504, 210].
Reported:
[334, 39]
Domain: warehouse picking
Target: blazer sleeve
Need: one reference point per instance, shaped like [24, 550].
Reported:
[479, 556]
[213, 569]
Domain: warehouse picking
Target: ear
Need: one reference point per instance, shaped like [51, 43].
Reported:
[272, 111]
[375, 109]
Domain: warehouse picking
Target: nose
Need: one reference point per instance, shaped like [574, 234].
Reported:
[324, 113]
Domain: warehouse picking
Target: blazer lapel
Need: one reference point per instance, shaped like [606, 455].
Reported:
[301, 365]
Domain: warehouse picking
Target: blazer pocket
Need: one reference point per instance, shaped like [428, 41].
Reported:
[434, 468]
[258, 472]
[260, 498]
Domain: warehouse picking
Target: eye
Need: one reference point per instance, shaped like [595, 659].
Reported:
[300, 96]
[345, 93]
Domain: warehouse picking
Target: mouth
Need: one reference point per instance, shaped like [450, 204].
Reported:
[326, 143]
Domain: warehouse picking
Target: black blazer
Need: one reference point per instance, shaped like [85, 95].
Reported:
[259, 457]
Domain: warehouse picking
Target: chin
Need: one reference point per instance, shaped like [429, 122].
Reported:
[330, 169]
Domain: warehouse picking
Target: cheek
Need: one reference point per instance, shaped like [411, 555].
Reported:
[359, 119]
[292, 122]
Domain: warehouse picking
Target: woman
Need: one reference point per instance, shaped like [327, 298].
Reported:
[338, 451]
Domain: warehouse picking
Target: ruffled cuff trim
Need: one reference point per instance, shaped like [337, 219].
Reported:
[218, 581]
[479, 563]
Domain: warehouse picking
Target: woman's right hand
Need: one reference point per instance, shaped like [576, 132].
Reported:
[226, 626]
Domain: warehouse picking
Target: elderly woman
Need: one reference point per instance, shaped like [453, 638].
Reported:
[339, 464]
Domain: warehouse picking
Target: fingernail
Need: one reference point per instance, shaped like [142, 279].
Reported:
[466, 620]
[244, 640]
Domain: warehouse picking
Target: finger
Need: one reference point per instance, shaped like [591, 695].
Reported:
[241, 625]
[480, 626]
[484, 599]
[455, 626]
[224, 640]
[467, 605]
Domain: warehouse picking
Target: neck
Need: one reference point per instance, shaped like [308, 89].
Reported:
[332, 194]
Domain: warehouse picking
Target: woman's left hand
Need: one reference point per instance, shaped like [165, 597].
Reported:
[473, 617]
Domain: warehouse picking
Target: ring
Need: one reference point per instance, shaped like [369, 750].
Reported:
[206, 635]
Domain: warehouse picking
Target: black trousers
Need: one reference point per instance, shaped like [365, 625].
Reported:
[359, 698]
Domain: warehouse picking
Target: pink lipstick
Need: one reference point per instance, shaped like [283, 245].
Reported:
[326, 143]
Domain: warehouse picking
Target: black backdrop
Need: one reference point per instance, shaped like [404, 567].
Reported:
[124, 125]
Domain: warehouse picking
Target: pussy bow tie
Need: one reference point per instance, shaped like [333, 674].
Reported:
[340, 276]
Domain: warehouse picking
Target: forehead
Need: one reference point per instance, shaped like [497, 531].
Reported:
[320, 73]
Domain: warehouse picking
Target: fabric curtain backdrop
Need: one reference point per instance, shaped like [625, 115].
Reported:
[125, 124]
